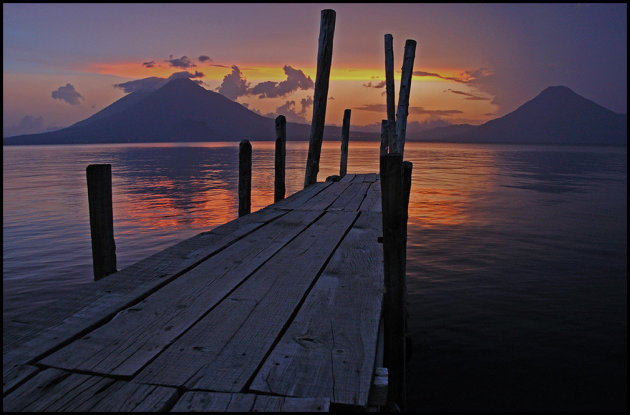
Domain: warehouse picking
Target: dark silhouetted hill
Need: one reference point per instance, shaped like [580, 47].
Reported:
[181, 110]
[556, 116]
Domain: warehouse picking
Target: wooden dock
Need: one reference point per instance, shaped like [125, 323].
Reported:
[278, 310]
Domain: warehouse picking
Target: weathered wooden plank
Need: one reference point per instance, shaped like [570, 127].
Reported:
[389, 85]
[53, 389]
[62, 391]
[128, 397]
[329, 348]
[300, 198]
[222, 351]
[137, 334]
[348, 178]
[328, 196]
[369, 177]
[15, 376]
[372, 201]
[352, 197]
[201, 401]
[320, 95]
[89, 305]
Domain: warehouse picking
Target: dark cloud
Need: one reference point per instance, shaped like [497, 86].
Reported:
[67, 94]
[149, 64]
[466, 77]
[296, 79]
[234, 84]
[220, 66]
[290, 110]
[154, 82]
[204, 58]
[379, 85]
[183, 62]
[412, 110]
[469, 96]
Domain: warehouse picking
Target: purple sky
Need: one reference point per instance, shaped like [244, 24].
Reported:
[474, 62]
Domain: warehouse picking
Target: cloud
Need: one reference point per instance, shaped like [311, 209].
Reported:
[412, 110]
[149, 64]
[204, 58]
[27, 125]
[469, 96]
[296, 79]
[290, 111]
[234, 84]
[183, 62]
[465, 77]
[379, 85]
[154, 82]
[68, 94]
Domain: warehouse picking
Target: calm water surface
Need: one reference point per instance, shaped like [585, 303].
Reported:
[517, 255]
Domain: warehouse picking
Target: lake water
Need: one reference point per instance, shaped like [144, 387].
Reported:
[517, 255]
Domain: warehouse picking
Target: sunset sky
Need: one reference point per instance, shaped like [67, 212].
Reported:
[474, 62]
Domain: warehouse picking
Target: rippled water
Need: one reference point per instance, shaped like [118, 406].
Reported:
[517, 255]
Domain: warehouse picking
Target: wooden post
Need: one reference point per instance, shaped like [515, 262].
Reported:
[384, 142]
[281, 151]
[244, 178]
[345, 135]
[320, 96]
[394, 304]
[403, 97]
[99, 182]
[389, 85]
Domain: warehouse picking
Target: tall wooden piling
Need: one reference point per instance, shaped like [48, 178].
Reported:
[244, 178]
[281, 151]
[320, 96]
[403, 97]
[99, 183]
[345, 136]
[394, 304]
[389, 86]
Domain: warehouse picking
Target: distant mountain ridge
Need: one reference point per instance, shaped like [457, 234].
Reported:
[181, 110]
[555, 116]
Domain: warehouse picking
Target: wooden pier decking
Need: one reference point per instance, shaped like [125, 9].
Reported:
[278, 310]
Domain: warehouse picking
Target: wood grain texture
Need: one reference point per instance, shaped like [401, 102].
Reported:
[137, 334]
[372, 201]
[352, 197]
[299, 199]
[320, 95]
[223, 350]
[38, 333]
[403, 98]
[199, 401]
[329, 348]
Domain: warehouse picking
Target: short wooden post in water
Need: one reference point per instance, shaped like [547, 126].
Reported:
[281, 151]
[403, 97]
[345, 134]
[389, 86]
[320, 96]
[99, 183]
[394, 304]
[244, 178]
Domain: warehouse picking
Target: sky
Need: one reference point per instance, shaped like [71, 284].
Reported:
[473, 62]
